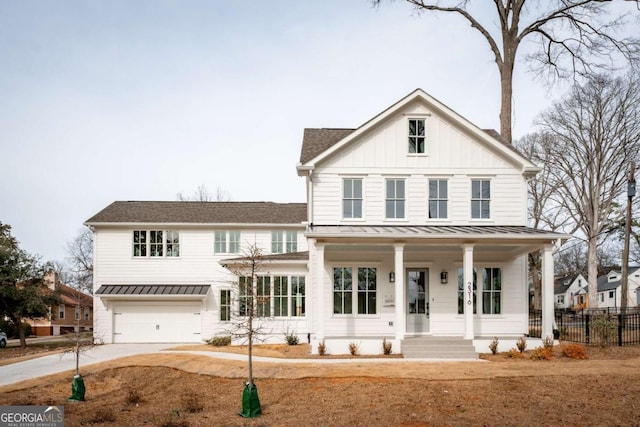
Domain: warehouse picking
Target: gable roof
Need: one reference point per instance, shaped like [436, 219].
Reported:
[318, 144]
[200, 213]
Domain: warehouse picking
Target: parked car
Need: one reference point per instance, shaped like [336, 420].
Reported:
[3, 339]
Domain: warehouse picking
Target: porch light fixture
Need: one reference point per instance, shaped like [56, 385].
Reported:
[392, 277]
[444, 277]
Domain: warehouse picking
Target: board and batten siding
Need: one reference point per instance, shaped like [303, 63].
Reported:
[450, 154]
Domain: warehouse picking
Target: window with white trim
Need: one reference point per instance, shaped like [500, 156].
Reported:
[61, 311]
[395, 198]
[361, 299]
[277, 244]
[612, 294]
[244, 296]
[351, 198]
[263, 295]
[226, 242]
[438, 198]
[491, 290]
[87, 314]
[480, 198]
[417, 136]
[280, 296]
[77, 313]
[297, 296]
[367, 291]
[225, 305]
[156, 243]
[342, 291]
[292, 241]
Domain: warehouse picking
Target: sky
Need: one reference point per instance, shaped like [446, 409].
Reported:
[111, 100]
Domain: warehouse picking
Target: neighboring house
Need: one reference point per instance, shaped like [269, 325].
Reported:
[415, 225]
[75, 309]
[569, 291]
[610, 289]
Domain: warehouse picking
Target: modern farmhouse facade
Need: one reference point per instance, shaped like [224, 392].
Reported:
[415, 225]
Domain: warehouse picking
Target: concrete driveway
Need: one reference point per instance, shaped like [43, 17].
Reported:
[61, 362]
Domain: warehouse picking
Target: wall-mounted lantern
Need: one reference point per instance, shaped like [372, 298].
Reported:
[392, 277]
[444, 277]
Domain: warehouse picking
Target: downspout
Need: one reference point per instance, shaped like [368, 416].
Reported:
[310, 199]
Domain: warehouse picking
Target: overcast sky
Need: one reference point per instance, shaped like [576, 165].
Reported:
[138, 100]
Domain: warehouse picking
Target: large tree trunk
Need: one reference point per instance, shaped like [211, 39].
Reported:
[506, 89]
[592, 272]
[534, 258]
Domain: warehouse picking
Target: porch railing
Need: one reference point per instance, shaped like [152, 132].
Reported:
[606, 326]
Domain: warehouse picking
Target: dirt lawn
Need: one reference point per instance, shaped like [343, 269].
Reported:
[193, 390]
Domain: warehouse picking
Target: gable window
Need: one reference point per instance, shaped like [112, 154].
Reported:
[292, 241]
[342, 291]
[366, 291]
[417, 136]
[225, 305]
[491, 290]
[394, 206]
[480, 198]
[438, 193]
[222, 238]
[297, 296]
[351, 198]
[277, 246]
[280, 296]
[461, 290]
[156, 243]
[61, 311]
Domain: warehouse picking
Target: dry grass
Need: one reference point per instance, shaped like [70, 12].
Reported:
[498, 391]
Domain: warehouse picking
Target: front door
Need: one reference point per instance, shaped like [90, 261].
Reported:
[417, 308]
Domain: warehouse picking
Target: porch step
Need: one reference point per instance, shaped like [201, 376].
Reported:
[438, 348]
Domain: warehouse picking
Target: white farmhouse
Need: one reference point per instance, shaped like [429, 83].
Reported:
[610, 289]
[415, 231]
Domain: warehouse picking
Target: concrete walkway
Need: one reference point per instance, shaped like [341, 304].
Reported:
[55, 363]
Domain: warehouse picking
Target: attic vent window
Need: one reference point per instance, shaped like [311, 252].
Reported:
[417, 136]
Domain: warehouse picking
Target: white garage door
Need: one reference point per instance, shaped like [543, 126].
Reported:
[170, 322]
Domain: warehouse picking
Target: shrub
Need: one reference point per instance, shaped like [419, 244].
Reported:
[547, 342]
[603, 329]
[513, 354]
[132, 397]
[291, 337]
[494, 345]
[521, 344]
[322, 348]
[354, 349]
[574, 351]
[192, 403]
[386, 347]
[219, 341]
[542, 353]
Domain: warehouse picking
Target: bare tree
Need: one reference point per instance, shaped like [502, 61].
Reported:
[202, 194]
[545, 208]
[80, 261]
[573, 37]
[593, 134]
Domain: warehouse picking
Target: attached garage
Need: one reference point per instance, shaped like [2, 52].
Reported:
[155, 313]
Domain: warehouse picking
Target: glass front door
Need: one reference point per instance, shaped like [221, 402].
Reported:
[417, 308]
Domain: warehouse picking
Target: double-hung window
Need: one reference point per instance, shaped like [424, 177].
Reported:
[263, 293]
[342, 290]
[480, 198]
[226, 242]
[292, 241]
[61, 311]
[297, 296]
[87, 314]
[366, 290]
[225, 305]
[395, 198]
[280, 296]
[417, 136]
[245, 296]
[491, 290]
[156, 243]
[438, 196]
[277, 245]
[351, 198]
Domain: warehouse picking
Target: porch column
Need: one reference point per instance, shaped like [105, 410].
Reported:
[547, 292]
[320, 292]
[400, 308]
[467, 267]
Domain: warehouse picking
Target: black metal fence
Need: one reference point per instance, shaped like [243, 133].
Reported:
[607, 326]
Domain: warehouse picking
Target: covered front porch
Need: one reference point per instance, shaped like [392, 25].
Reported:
[395, 283]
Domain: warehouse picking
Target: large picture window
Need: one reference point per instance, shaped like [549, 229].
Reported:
[438, 197]
[417, 136]
[480, 198]
[491, 290]
[394, 206]
[351, 198]
[156, 243]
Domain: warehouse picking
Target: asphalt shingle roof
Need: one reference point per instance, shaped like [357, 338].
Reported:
[201, 213]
